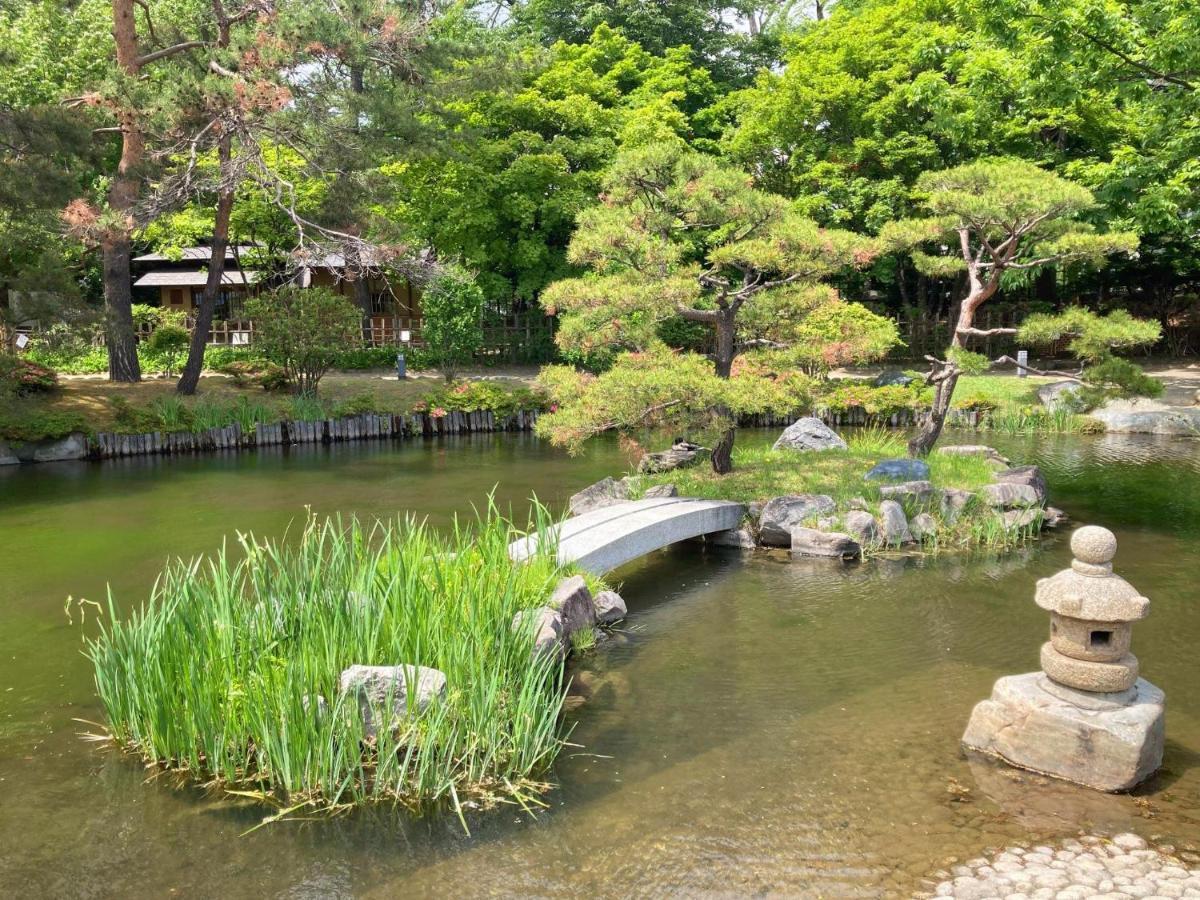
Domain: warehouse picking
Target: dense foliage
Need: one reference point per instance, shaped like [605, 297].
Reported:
[302, 330]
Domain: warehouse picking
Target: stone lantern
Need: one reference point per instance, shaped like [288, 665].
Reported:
[1086, 717]
[1092, 612]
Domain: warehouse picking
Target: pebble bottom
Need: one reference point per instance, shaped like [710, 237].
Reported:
[1119, 868]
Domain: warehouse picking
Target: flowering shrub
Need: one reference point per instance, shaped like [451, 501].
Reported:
[21, 377]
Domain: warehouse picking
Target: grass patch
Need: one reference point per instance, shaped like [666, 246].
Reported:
[1011, 406]
[216, 676]
[760, 473]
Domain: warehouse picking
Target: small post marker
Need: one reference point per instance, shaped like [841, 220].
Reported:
[1022, 362]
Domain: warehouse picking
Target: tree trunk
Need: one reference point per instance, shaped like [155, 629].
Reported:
[122, 197]
[946, 378]
[123, 362]
[190, 378]
[722, 453]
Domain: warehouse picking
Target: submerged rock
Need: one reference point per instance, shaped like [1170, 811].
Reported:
[899, 470]
[406, 688]
[1021, 518]
[893, 524]
[832, 544]
[1053, 517]
[73, 446]
[783, 514]
[1141, 416]
[573, 602]
[605, 492]
[809, 433]
[610, 607]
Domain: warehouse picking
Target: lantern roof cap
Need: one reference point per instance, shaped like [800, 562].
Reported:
[1089, 590]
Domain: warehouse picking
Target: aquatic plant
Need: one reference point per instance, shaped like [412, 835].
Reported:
[229, 674]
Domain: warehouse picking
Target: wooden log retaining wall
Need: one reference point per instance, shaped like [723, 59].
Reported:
[858, 417]
[109, 445]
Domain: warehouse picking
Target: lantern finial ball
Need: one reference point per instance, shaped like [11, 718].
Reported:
[1094, 545]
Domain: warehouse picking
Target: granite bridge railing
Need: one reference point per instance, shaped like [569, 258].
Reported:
[607, 538]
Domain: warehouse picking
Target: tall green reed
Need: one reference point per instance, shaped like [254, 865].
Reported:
[218, 675]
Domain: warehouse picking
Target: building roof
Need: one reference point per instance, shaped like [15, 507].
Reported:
[190, 254]
[193, 278]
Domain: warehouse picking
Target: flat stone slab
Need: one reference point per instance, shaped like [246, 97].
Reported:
[606, 539]
[1110, 742]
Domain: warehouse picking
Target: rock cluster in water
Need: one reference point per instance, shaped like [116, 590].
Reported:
[1122, 868]
[570, 609]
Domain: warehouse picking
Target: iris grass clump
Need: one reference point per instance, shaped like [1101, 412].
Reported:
[229, 673]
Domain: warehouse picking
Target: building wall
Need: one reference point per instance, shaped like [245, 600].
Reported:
[405, 300]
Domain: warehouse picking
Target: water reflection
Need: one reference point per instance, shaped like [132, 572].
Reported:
[758, 726]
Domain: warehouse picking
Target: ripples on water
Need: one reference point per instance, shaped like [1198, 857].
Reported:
[758, 726]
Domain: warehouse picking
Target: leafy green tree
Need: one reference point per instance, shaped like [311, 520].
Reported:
[452, 318]
[679, 234]
[516, 167]
[302, 330]
[992, 220]
[170, 341]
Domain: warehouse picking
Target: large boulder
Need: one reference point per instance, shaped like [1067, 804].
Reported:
[809, 433]
[783, 514]
[679, 456]
[1058, 393]
[831, 544]
[1006, 495]
[1028, 475]
[610, 607]
[7, 456]
[547, 628]
[1108, 742]
[911, 493]
[1141, 416]
[991, 454]
[605, 492]
[899, 470]
[390, 693]
[861, 526]
[573, 602]
[73, 446]
[893, 524]
[893, 378]
[1021, 518]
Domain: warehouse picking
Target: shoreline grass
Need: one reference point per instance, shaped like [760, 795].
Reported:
[761, 473]
[217, 676]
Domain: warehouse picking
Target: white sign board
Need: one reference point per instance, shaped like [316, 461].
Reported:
[405, 337]
[239, 338]
[1022, 362]
[22, 341]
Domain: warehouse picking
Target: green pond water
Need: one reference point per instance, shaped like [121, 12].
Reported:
[760, 727]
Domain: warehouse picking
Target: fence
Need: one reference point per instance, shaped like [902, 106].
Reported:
[927, 335]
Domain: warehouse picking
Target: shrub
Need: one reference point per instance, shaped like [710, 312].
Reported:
[170, 342]
[474, 396]
[22, 377]
[875, 401]
[303, 329]
[452, 327]
[20, 422]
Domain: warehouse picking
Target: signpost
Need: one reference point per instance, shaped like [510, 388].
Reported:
[401, 363]
[1022, 362]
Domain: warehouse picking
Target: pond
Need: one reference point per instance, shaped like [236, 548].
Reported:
[758, 726]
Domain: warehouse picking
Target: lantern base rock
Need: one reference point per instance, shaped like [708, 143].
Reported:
[1110, 742]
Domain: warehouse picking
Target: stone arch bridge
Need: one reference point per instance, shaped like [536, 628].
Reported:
[608, 538]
